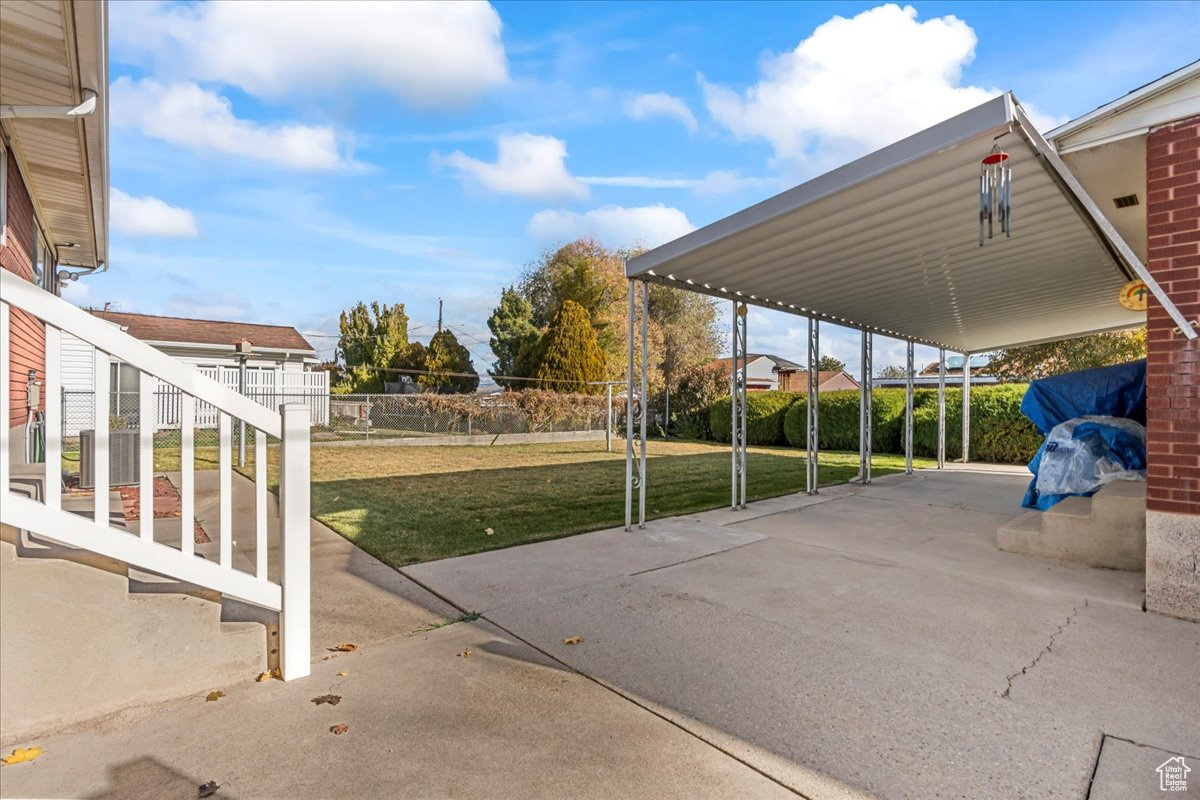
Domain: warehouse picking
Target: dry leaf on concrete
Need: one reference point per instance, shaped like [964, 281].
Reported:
[465, 654]
[342, 674]
[208, 789]
[573, 640]
[214, 696]
[331, 699]
[339, 729]
[266, 676]
[345, 647]
[21, 755]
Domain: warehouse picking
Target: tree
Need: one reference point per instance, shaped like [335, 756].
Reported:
[687, 324]
[1055, 358]
[448, 365]
[830, 364]
[893, 371]
[571, 359]
[514, 339]
[369, 339]
[699, 386]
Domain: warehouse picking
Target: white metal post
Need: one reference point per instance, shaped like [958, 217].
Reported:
[294, 568]
[865, 412]
[629, 421]
[645, 409]
[102, 398]
[908, 413]
[810, 402]
[734, 397]
[966, 409]
[744, 440]
[941, 435]
[147, 420]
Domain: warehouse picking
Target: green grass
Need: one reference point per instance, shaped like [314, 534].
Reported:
[405, 505]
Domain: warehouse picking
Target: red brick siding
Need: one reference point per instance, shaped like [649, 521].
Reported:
[28, 334]
[1173, 378]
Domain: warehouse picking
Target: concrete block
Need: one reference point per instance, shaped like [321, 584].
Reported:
[1172, 558]
[1106, 530]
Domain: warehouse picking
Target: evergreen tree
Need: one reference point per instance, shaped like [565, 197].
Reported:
[514, 339]
[571, 357]
[449, 366]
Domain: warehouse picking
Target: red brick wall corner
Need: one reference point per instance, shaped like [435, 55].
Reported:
[1173, 376]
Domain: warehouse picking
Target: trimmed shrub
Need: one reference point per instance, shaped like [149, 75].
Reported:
[999, 431]
[839, 420]
[764, 417]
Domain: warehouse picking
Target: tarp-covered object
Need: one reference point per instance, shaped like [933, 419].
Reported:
[1087, 452]
[1117, 391]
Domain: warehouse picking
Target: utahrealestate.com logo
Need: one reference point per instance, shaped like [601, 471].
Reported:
[1172, 775]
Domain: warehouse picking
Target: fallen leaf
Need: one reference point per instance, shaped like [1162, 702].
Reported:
[573, 640]
[488, 531]
[331, 699]
[344, 647]
[214, 696]
[209, 789]
[339, 729]
[21, 755]
[465, 654]
[342, 674]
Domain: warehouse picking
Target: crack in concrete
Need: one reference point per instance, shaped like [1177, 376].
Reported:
[1007, 693]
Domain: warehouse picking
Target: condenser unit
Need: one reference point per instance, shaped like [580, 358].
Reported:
[124, 458]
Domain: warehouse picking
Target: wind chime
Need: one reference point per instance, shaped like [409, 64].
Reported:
[995, 194]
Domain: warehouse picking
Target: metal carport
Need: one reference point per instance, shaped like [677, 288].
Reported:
[893, 244]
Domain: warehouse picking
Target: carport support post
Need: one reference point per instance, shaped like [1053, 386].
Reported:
[645, 359]
[966, 408]
[941, 434]
[865, 412]
[813, 407]
[629, 421]
[608, 419]
[744, 316]
[733, 412]
[908, 412]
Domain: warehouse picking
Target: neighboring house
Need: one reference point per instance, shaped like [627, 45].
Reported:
[279, 366]
[796, 380]
[762, 370]
[928, 377]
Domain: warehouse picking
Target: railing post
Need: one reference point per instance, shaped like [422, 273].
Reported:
[295, 571]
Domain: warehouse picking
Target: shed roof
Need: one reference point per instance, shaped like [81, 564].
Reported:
[150, 328]
[890, 243]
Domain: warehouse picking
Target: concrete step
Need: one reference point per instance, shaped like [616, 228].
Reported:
[78, 643]
[1106, 530]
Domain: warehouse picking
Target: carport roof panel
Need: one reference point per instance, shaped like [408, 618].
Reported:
[890, 243]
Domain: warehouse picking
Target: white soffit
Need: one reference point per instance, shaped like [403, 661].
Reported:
[890, 243]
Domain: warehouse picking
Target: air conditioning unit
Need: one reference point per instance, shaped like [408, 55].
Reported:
[124, 458]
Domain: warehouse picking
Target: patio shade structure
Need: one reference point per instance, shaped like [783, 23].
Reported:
[890, 244]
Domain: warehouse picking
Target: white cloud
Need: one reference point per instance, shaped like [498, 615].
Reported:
[717, 182]
[526, 166]
[429, 55]
[615, 226]
[661, 104]
[855, 85]
[149, 216]
[189, 116]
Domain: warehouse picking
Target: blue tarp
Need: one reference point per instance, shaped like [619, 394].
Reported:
[1117, 391]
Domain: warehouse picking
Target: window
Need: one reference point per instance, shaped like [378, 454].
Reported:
[123, 385]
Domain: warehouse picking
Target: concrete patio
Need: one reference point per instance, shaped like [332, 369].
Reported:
[865, 642]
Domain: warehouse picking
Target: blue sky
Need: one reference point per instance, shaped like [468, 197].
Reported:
[277, 163]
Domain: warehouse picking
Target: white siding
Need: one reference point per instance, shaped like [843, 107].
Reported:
[77, 358]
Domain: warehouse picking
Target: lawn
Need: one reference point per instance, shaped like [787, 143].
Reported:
[404, 505]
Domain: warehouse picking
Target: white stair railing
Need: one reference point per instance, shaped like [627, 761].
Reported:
[290, 426]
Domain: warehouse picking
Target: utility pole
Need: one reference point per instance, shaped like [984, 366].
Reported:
[439, 315]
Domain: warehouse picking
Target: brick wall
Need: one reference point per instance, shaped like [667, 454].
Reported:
[1173, 379]
[17, 255]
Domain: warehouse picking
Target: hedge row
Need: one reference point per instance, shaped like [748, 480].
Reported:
[764, 416]
[999, 432]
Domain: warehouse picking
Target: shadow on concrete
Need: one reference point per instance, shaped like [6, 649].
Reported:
[147, 777]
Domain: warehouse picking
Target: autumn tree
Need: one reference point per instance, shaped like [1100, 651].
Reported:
[515, 339]
[571, 359]
[1069, 355]
[687, 324]
[369, 339]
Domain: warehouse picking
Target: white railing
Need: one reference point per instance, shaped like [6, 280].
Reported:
[290, 595]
